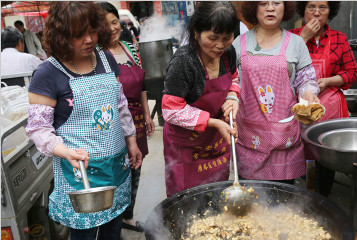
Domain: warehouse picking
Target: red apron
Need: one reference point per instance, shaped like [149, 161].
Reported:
[332, 97]
[194, 158]
[132, 79]
[268, 149]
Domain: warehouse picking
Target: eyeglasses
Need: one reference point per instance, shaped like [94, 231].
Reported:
[313, 9]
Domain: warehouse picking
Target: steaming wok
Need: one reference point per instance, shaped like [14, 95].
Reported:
[170, 218]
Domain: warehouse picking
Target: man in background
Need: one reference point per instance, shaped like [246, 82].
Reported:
[31, 43]
[13, 59]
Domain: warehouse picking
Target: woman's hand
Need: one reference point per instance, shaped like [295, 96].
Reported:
[228, 106]
[136, 157]
[72, 155]
[310, 97]
[310, 29]
[150, 125]
[323, 83]
[224, 129]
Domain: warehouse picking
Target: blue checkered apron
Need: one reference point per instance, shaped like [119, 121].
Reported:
[95, 126]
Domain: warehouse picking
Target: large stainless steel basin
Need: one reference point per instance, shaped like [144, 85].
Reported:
[337, 159]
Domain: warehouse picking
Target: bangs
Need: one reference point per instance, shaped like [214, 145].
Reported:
[221, 20]
[222, 24]
[81, 19]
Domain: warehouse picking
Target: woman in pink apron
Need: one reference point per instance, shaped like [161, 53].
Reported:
[132, 78]
[275, 69]
[334, 64]
[199, 93]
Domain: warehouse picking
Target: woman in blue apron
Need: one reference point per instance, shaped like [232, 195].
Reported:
[132, 78]
[78, 111]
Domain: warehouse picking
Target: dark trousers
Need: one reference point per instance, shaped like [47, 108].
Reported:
[135, 178]
[107, 231]
[324, 179]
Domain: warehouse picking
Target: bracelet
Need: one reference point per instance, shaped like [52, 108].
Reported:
[232, 97]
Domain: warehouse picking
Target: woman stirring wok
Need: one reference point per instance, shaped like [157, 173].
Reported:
[132, 78]
[334, 64]
[198, 94]
[78, 111]
[274, 70]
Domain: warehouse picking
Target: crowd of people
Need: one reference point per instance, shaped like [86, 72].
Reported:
[88, 100]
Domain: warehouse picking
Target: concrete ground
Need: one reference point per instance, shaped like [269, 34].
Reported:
[152, 184]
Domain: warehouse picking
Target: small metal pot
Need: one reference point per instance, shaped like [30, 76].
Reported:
[89, 199]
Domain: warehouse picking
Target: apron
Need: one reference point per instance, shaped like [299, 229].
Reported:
[194, 158]
[132, 79]
[268, 149]
[332, 97]
[95, 126]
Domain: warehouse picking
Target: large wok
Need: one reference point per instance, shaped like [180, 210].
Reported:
[170, 218]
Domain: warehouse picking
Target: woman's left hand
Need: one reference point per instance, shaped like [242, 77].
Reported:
[136, 157]
[310, 97]
[150, 125]
[228, 106]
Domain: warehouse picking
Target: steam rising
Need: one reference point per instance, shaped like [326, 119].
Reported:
[156, 28]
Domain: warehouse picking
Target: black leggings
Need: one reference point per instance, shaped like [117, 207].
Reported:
[324, 179]
[135, 178]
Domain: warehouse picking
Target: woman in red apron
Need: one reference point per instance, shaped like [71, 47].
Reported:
[132, 78]
[334, 65]
[275, 69]
[199, 93]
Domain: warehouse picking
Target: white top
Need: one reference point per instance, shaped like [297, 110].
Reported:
[13, 61]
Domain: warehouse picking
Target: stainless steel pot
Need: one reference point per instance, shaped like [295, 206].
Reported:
[89, 199]
[333, 158]
[155, 57]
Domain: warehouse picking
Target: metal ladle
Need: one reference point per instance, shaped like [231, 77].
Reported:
[89, 199]
[236, 198]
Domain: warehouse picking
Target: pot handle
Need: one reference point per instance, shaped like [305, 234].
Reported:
[84, 174]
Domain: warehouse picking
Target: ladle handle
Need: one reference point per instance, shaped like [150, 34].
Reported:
[233, 146]
[84, 174]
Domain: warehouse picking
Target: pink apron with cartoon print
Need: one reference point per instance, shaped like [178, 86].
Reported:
[268, 149]
[194, 158]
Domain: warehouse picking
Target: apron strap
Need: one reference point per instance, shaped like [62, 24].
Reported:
[132, 54]
[104, 60]
[59, 66]
[243, 45]
[225, 62]
[285, 43]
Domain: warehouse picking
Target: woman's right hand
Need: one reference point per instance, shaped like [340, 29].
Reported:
[72, 155]
[310, 29]
[224, 129]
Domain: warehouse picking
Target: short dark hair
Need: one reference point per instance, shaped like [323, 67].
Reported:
[10, 37]
[220, 17]
[18, 22]
[109, 8]
[334, 6]
[69, 19]
[249, 11]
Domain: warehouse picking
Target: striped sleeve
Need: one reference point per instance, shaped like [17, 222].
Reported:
[134, 53]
